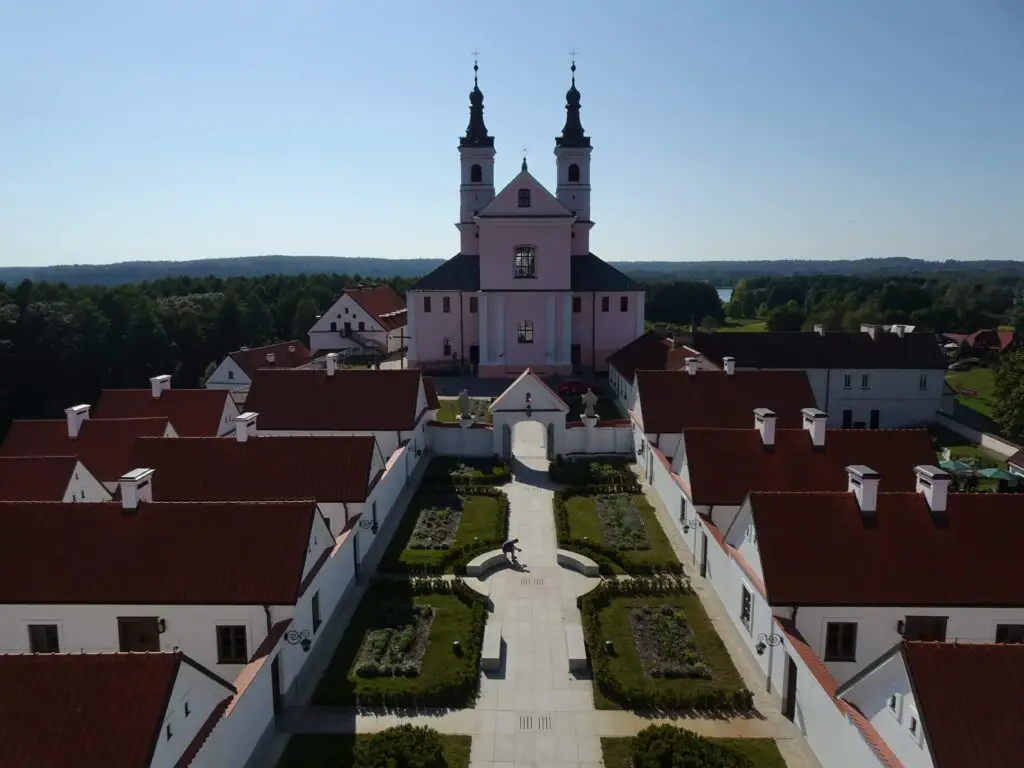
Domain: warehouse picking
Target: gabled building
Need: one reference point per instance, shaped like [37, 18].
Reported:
[985, 341]
[341, 473]
[116, 710]
[191, 412]
[235, 371]
[524, 291]
[103, 446]
[872, 378]
[364, 318]
[48, 478]
[654, 351]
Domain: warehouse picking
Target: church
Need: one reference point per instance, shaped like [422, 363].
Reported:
[524, 291]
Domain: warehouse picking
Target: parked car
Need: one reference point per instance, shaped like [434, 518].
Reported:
[573, 387]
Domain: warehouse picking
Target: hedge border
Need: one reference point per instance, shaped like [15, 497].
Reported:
[432, 476]
[558, 471]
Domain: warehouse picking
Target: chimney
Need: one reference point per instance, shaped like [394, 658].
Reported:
[291, 347]
[270, 357]
[332, 363]
[729, 365]
[691, 366]
[869, 329]
[899, 330]
[814, 421]
[934, 484]
[764, 422]
[819, 329]
[77, 414]
[863, 483]
[136, 486]
[245, 426]
[160, 384]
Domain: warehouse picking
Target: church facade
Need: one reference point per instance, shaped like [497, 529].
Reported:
[524, 291]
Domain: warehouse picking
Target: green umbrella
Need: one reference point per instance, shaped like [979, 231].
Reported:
[994, 473]
[955, 465]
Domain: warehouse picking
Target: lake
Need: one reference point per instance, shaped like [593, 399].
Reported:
[725, 294]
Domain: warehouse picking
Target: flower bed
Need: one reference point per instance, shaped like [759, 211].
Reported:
[665, 644]
[435, 528]
[396, 650]
[621, 523]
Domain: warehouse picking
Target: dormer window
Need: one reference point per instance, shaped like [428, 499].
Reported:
[524, 198]
[524, 264]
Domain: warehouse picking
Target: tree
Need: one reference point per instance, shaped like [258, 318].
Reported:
[1009, 395]
[306, 312]
[709, 322]
[788, 317]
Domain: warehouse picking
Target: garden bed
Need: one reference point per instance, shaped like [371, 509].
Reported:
[581, 473]
[762, 753]
[332, 750]
[436, 527]
[449, 470]
[621, 525]
[446, 679]
[398, 649]
[621, 679]
[665, 644]
[478, 407]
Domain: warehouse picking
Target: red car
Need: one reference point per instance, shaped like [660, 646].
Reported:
[573, 387]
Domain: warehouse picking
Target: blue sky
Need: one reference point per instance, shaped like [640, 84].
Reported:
[183, 129]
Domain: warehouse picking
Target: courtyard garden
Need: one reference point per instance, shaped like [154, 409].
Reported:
[605, 471]
[652, 647]
[449, 470]
[396, 747]
[410, 644]
[659, 746]
[446, 526]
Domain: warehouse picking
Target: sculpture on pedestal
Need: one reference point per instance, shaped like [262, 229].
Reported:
[589, 401]
[464, 404]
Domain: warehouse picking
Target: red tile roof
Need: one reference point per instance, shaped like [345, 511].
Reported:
[431, 393]
[104, 446]
[726, 464]
[328, 469]
[969, 699]
[71, 710]
[984, 338]
[381, 302]
[202, 553]
[671, 401]
[651, 352]
[818, 549]
[192, 412]
[349, 401]
[35, 478]
[287, 354]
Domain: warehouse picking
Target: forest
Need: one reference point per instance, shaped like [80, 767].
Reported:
[61, 344]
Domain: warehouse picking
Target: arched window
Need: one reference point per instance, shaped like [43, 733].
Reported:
[476, 173]
[574, 173]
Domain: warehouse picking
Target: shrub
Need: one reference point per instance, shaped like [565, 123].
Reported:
[404, 746]
[663, 746]
[467, 472]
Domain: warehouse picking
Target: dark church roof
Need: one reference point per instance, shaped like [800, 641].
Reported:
[588, 273]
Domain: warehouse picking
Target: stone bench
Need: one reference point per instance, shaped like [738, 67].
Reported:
[490, 654]
[576, 648]
[481, 564]
[577, 562]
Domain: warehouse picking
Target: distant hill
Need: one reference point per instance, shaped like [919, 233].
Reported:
[721, 273]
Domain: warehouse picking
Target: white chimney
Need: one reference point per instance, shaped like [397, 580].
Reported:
[270, 357]
[245, 426]
[869, 329]
[934, 484]
[76, 414]
[136, 486]
[899, 330]
[819, 329]
[332, 363]
[691, 366]
[291, 347]
[729, 365]
[160, 384]
[814, 421]
[863, 483]
[764, 422]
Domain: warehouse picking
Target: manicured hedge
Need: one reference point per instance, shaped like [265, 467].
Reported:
[444, 470]
[664, 746]
[610, 472]
[404, 746]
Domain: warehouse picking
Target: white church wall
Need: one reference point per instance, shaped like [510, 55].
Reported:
[581, 439]
[453, 440]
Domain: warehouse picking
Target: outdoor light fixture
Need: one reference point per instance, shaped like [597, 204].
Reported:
[372, 526]
[300, 638]
[900, 626]
[161, 625]
[766, 641]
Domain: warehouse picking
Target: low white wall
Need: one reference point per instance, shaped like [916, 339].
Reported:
[454, 440]
[987, 440]
[611, 439]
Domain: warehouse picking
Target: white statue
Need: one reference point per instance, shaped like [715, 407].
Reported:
[464, 404]
[589, 401]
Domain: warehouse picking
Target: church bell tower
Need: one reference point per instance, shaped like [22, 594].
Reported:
[476, 154]
[572, 153]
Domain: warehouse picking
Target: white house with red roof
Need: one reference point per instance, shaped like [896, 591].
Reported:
[366, 317]
[236, 370]
[192, 412]
[48, 478]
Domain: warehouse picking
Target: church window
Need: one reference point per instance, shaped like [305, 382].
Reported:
[525, 263]
[623, 304]
[446, 304]
[604, 303]
[577, 304]
[476, 173]
[574, 173]
[525, 332]
[524, 198]
[426, 303]
[472, 305]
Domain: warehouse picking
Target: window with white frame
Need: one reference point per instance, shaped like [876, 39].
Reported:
[895, 705]
[847, 381]
[914, 725]
[524, 334]
[747, 608]
[524, 265]
[865, 381]
[922, 382]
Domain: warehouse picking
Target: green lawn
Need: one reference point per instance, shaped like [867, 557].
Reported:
[334, 750]
[978, 380]
[483, 517]
[761, 752]
[453, 620]
[747, 324]
[584, 523]
[449, 410]
[624, 664]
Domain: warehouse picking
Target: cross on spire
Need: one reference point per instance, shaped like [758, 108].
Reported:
[476, 65]
[525, 152]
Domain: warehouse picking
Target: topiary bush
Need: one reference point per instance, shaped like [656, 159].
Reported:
[663, 746]
[404, 746]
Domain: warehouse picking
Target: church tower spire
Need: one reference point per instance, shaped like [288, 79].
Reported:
[476, 155]
[572, 153]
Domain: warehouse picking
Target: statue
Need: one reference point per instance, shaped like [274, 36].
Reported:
[464, 404]
[589, 401]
